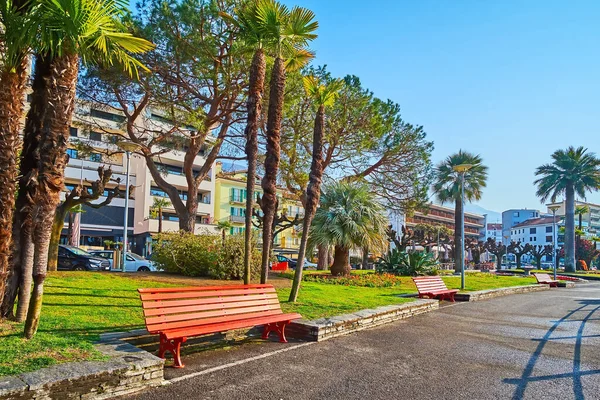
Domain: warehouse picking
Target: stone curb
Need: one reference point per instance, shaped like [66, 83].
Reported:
[326, 328]
[491, 293]
[128, 370]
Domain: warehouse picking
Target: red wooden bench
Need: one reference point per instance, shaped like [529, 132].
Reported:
[544, 279]
[433, 287]
[179, 313]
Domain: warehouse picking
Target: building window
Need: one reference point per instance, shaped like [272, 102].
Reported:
[96, 157]
[72, 153]
[97, 136]
[532, 214]
[516, 214]
[532, 231]
[107, 116]
[73, 132]
[548, 229]
[548, 239]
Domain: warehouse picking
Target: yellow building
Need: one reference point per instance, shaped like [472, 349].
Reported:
[230, 205]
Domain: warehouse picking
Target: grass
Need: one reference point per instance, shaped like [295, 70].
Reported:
[78, 306]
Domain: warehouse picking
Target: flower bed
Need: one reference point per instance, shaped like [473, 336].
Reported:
[366, 280]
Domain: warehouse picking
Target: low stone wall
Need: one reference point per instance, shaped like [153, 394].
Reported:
[488, 294]
[128, 370]
[326, 328]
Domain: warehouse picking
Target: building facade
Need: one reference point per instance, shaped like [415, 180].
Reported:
[494, 232]
[513, 217]
[590, 219]
[439, 215]
[230, 205]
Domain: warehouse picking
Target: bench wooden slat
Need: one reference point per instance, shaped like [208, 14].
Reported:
[166, 304]
[433, 286]
[162, 327]
[203, 288]
[195, 293]
[205, 329]
[207, 307]
[213, 313]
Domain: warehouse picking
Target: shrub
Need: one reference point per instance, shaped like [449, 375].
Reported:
[203, 255]
[403, 263]
[373, 280]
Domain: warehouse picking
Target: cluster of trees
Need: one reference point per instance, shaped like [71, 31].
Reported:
[58, 35]
[227, 79]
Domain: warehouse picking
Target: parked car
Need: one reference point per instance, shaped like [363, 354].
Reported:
[133, 262]
[75, 259]
[292, 263]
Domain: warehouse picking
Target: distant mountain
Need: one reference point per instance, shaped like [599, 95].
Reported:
[492, 216]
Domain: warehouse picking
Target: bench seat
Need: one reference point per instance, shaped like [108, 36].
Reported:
[179, 313]
[545, 279]
[433, 287]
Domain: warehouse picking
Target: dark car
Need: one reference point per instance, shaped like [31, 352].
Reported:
[74, 259]
[291, 263]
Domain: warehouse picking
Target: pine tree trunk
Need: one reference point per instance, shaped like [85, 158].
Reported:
[254, 106]
[53, 160]
[341, 262]
[57, 227]
[457, 234]
[313, 193]
[570, 228]
[322, 258]
[12, 92]
[269, 181]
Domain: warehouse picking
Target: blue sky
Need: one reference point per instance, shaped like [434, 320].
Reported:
[510, 80]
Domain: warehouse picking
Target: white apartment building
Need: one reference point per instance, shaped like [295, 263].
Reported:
[590, 219]
[99, 128]
[537, 231]
[493, 231]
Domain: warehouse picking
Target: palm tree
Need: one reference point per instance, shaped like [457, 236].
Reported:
[253, 30]
[18, 30]
[573, 171]
[447, 187]
[323, 95]
[157, 208]
[290, 31]
[349, 217]
[71, 29]
[224, 226]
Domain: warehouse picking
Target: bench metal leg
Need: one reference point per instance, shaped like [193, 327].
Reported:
[172, 346]
[278, 327]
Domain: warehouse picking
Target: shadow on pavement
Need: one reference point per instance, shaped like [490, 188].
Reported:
[589, 306]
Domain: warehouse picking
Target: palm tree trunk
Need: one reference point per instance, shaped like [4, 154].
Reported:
[53, 160]
[57, 227]
[313, 192]
[569, 228]
[341, 261]
[12, 91]
[458, 207]
[254, 106]
[322, 258]
[160, 218]
[22, 257]
[269, 181]
[365, 258]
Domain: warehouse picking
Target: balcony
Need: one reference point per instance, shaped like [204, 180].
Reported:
[237, 200]
[237, 219]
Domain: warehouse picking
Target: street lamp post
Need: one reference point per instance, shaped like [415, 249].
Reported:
[554, 208]
[462, 169]
[128, 147]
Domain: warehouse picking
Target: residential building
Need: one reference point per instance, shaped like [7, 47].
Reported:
[538, 231]
[98, 129]
[440, 215]
[230, 205]
[493, 231]
[590, 219]
[513, 217]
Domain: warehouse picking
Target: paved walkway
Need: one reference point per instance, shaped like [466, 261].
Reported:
[543, 345]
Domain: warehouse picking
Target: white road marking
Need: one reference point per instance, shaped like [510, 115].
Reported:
[236, 363]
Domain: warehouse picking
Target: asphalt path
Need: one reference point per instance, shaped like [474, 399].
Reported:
[543, 345]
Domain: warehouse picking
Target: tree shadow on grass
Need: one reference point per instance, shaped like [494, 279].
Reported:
[587, 306]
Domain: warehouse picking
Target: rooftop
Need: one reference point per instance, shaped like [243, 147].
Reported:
[535, 221]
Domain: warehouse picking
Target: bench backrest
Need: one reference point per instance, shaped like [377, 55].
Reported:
[429, 284]
[182, 307]
[542, 277]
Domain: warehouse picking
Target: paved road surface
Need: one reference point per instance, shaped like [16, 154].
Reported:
[542, 345]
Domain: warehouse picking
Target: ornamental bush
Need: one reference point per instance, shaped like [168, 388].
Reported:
[400, 262]
[203, 255]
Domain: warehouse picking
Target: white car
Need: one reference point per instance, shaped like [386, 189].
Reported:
[133, 262]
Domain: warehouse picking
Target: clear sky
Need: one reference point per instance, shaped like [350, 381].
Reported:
[510, 80]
